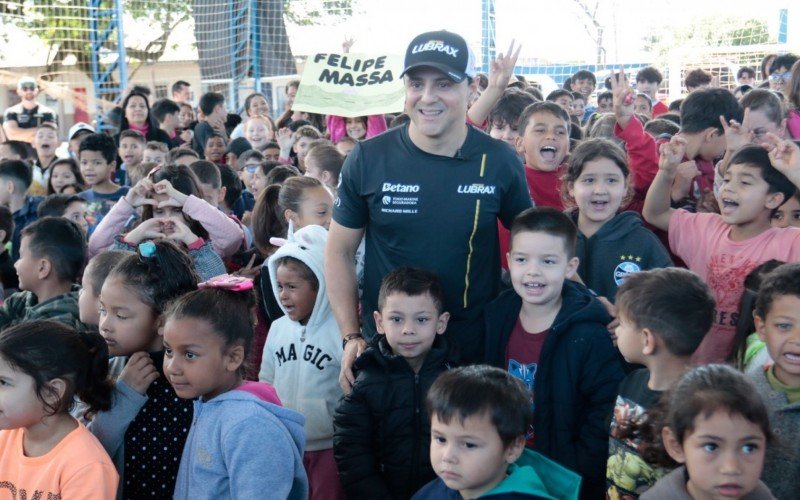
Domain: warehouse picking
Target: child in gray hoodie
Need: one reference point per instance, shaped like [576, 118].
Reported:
[242, 443]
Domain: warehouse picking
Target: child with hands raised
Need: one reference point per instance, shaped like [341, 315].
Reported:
[146, 427]
[724, 248]
[207, 334]
[172, 206]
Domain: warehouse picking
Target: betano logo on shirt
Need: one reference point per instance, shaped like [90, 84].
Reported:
[436, 45]
[476, 189]
[388, 187]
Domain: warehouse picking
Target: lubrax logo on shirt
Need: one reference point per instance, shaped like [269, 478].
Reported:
[476, 189]
[436, 45]
[388, 187]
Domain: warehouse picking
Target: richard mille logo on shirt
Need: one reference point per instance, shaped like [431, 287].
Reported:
[394, 204]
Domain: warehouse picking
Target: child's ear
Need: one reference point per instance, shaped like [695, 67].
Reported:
[160, 322]
[711, 133]
[290, 215]
[774, 200]
[441, 324]
[760, 326]
[2, 234]
[44, 268]
[520, 144]
[326, 178]
[571, 189]
[112, 164]
[54, 392]
[234, 357]
[378, 322]
[514, 450]
[221, 196]
[648, 342]
[572, 267]
[671, 444]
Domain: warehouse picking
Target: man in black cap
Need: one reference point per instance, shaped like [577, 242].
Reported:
[427, 194]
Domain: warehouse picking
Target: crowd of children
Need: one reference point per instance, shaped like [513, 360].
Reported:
[171, 326]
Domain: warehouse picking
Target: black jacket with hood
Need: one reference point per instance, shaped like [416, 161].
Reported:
[621, 247]
[577, 378]
[382, 432]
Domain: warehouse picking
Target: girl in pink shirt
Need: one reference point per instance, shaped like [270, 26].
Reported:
[45, 452]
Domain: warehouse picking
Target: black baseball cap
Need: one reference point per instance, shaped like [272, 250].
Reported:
[442, 50]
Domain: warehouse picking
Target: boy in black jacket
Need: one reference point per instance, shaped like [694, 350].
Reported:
[381, 430]
[551, 333]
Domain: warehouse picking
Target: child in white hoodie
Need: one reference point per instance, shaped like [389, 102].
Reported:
[303, 353]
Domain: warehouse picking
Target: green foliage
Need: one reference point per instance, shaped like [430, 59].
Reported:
[707, 32]
[64, 24]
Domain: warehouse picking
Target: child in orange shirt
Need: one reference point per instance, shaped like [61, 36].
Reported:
[45, 452]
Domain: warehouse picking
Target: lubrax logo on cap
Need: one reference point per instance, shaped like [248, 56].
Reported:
[435, 45]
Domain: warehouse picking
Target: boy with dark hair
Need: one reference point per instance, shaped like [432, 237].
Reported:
[504, 117]
[15, 150]
[604, 102]
[578, 108]
[212, 104]
[584, 82]
[131, 151]
[697, 79]
[724, 248]
[98, 158]
[182, 156]
[52, 254]
[181, 91]
[550, 332]
[700, 127]
[561, 97]
[647, 82]
[379, 437]
[8, 275]
[272, 151]
[660, 128]
[777, 315]
[479, 416]
[70, 206]
[664, 315]
[234, 149]
[544, 145]
[45, 143]
[15, 179]
[166, 114]
[746, 76]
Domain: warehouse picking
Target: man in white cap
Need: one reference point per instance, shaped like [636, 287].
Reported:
[21, 120]
[429, 195]
[76, 133]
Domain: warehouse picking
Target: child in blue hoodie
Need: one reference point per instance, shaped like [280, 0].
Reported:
[612, 243]
[242, 443]
[479, 418]
[303, 354]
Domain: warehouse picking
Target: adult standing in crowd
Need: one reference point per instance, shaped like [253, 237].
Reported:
[136, 116]
[182, 92]
[428, 195]
[21, 120]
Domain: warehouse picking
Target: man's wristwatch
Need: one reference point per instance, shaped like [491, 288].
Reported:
[350, 336]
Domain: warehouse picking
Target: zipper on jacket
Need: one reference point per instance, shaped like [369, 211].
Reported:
[417, 431]
[303, 335]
